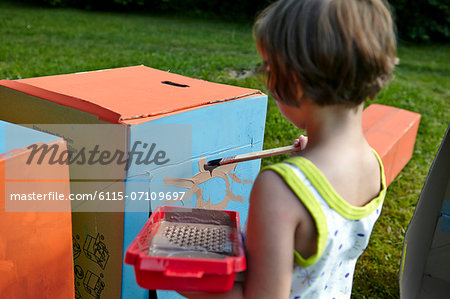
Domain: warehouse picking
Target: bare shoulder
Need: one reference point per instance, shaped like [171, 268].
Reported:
[272, 198]
[353, 173]
[272, 195]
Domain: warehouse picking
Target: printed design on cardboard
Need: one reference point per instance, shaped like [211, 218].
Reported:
[224, 172]
[78, 271]
[76, 247]
[96, 250]
[77, 294]
[93, 284]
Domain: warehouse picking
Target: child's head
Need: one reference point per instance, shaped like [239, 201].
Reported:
[336, 51]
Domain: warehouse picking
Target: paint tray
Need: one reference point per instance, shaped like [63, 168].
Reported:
[184, 249]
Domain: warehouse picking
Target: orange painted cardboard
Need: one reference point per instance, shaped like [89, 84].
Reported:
[108, 96]
[35, 247]
[392, 133]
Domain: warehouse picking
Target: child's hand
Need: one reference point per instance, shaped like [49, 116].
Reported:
[301, 142]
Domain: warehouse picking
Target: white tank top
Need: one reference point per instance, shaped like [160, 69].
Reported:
[343, 231]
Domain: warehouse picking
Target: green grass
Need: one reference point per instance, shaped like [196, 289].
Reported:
[40, 42]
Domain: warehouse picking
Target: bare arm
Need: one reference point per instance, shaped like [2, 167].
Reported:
[270, 239]
[270, 243]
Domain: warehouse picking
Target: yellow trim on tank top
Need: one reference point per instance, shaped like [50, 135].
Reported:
[329, 194]
[313, 206]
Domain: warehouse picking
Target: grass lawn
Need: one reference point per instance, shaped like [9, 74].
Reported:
[40, 42]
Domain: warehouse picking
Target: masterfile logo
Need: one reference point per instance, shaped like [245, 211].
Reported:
[95, 167]
[140, 153]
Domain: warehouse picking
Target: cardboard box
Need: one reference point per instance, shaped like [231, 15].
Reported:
[392, 133]
[425, 264]
[35, 241]
[175, 121]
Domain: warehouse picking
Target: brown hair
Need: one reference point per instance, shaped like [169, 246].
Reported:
[338, 51]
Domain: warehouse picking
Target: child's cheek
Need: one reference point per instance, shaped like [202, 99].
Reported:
[292, 114]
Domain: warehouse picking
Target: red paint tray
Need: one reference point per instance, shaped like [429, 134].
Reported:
[191, 272]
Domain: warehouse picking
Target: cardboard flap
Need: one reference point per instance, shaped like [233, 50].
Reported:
[424, 242]
[127, 93]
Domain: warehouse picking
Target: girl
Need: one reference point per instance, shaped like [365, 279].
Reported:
[311, 217]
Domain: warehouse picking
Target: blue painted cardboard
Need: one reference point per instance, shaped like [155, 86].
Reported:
[445, 221]
[446, 207]
[217, 131]
[445, 224]
[20, 137]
